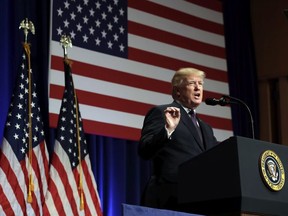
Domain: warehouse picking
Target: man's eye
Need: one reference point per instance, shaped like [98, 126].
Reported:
[196, 83]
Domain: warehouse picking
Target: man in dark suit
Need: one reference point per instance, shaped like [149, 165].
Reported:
[170, 137]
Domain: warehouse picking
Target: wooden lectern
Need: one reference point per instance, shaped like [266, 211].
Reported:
[240, 176]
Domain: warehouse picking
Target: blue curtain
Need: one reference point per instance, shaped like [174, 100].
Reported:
[6, 63]
[241, 65]
[120, 174]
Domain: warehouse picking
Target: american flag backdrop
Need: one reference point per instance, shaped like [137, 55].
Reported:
[72, 189]
[125, 54]
[23, 161]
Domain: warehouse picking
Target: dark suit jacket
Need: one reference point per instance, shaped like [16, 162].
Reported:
[184, 143]
[168, 153]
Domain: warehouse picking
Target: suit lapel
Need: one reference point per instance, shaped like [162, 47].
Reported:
[191, 127]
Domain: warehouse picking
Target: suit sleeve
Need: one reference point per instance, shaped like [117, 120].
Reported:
[153, 134]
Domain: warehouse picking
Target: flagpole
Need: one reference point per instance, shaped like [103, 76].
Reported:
[66, 42]
[27, 25]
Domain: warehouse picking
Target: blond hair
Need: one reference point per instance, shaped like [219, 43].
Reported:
[180, 76]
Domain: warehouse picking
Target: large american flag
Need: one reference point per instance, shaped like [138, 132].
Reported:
[72, 189]
[23, 163]
[125, 54]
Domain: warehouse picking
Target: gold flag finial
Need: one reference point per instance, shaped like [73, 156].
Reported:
[65, 42]
[27, 25]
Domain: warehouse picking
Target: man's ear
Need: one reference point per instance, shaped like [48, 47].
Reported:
[176, 90]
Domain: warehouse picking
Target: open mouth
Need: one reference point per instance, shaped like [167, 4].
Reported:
[197, 95]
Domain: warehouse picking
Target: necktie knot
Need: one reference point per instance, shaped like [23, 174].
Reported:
[192, 112]
[193, 117]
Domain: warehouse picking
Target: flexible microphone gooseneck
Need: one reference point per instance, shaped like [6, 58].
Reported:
[225, 100]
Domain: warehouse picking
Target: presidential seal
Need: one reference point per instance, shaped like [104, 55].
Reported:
[272, 170]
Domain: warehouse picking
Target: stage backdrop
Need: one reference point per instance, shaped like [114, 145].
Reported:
[125, 53]
[123, 59]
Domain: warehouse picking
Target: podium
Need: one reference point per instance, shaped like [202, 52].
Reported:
[230, 179]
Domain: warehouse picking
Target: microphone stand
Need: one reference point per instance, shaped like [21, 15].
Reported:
[232, 100]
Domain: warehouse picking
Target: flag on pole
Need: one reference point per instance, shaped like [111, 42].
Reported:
[127, 51]
[72, 187]
[24, 157]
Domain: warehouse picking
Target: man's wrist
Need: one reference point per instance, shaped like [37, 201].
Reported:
[169, 132]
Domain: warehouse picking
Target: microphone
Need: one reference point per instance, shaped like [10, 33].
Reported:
[225, 100]
[213, 101]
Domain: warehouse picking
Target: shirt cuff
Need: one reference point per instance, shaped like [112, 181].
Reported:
[168, 133]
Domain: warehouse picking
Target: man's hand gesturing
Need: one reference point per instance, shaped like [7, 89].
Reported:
[172, 115]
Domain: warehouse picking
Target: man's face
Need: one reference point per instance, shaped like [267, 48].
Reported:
[190, 92]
